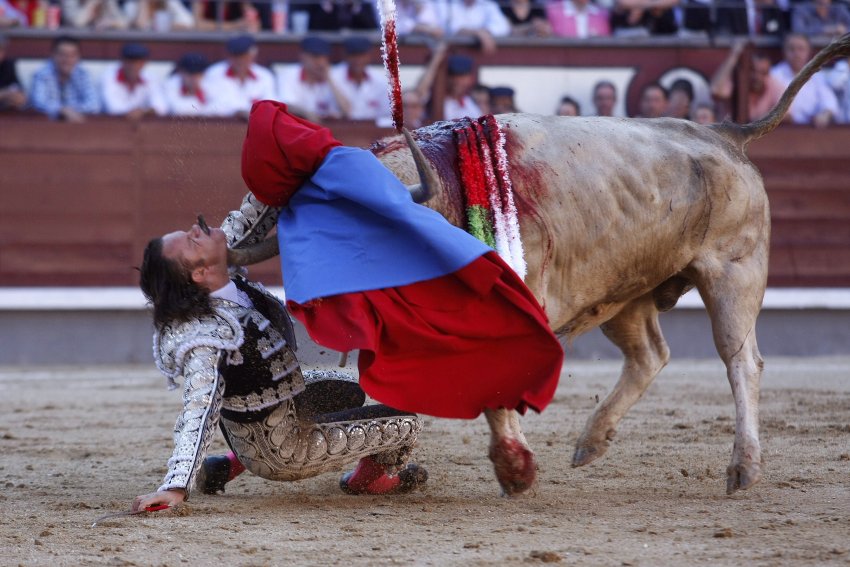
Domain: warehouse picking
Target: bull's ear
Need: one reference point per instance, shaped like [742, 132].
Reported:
[429, 182]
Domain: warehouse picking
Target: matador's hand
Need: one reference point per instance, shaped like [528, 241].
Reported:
[167, 497]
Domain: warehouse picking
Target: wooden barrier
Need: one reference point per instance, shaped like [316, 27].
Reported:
[78, 202]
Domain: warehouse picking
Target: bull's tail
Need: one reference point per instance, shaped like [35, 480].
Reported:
[746, 133]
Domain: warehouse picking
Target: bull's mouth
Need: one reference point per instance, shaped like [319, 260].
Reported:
[202, 224]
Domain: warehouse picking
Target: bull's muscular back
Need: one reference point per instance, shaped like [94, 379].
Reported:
[609, 208]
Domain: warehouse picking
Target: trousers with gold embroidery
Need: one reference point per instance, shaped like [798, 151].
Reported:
[320, 430]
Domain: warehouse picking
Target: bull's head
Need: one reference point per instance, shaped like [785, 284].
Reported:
[421, 192]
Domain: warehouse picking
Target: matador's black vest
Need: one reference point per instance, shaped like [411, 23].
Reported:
[264, 371]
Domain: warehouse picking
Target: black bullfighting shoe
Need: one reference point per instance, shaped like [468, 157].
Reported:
[216, 471]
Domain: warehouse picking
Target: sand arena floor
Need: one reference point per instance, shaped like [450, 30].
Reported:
[81, 442]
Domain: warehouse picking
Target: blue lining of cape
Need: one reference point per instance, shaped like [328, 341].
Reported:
[354, 227]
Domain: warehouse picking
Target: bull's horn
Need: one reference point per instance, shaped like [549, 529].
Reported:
[253, 254]
[429, 182]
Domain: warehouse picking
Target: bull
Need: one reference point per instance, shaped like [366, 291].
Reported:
[620, 217]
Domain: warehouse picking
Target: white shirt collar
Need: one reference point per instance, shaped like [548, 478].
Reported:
[232, 293]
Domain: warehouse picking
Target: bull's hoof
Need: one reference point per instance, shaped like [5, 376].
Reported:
[515, 466]
[742, 476]
[586, 454]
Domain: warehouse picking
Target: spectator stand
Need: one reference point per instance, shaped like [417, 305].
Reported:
[541, 70]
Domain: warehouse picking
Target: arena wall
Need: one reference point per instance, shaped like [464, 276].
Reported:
[79, 201]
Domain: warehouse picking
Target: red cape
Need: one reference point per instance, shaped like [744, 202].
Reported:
[449, 347]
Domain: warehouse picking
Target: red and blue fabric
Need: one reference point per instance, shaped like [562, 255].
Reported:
[444, 327]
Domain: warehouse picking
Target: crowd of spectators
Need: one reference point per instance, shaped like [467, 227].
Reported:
[318, 90]
[483, 20]
[63, 89]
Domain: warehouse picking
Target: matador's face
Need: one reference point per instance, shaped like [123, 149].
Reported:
[194, 248]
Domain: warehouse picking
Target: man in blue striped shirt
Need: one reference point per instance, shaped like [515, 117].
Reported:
[62, 89]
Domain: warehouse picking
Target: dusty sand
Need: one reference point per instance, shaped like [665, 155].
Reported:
[81, 442]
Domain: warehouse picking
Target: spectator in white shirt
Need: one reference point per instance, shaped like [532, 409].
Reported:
[308, 88]
[364, 90]
[185, 91]
[816, 103]
[417, 17]
[236, 83]
[159, 15]
[461, 79]
[127, 89]
[481, 19]
[96, 14]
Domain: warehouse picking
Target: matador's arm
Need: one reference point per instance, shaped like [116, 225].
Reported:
[202, 397]
[250, 224]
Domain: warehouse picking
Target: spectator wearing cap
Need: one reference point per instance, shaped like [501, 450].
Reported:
[12, 95]
[479, 19]
[238, 82]
[95, 14]
[502, 100]
[461, 79]
[62, 89]
[364, 90]
[127, 89]
[185, 92]
[308, 87]
[338, 15]
[218, 15]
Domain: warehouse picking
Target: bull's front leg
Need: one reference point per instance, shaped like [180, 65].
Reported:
[513, 460]
[636, 332]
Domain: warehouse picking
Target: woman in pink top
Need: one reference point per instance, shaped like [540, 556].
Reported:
[578, 18]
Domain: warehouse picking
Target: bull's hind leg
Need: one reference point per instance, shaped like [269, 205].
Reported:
[733, 293]
[636, 332]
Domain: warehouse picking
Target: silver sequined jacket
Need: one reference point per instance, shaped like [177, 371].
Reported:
[194, 352]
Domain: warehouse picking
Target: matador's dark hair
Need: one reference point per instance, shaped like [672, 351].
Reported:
[168, 285]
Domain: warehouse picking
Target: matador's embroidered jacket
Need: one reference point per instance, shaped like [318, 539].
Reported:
[238, 362]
